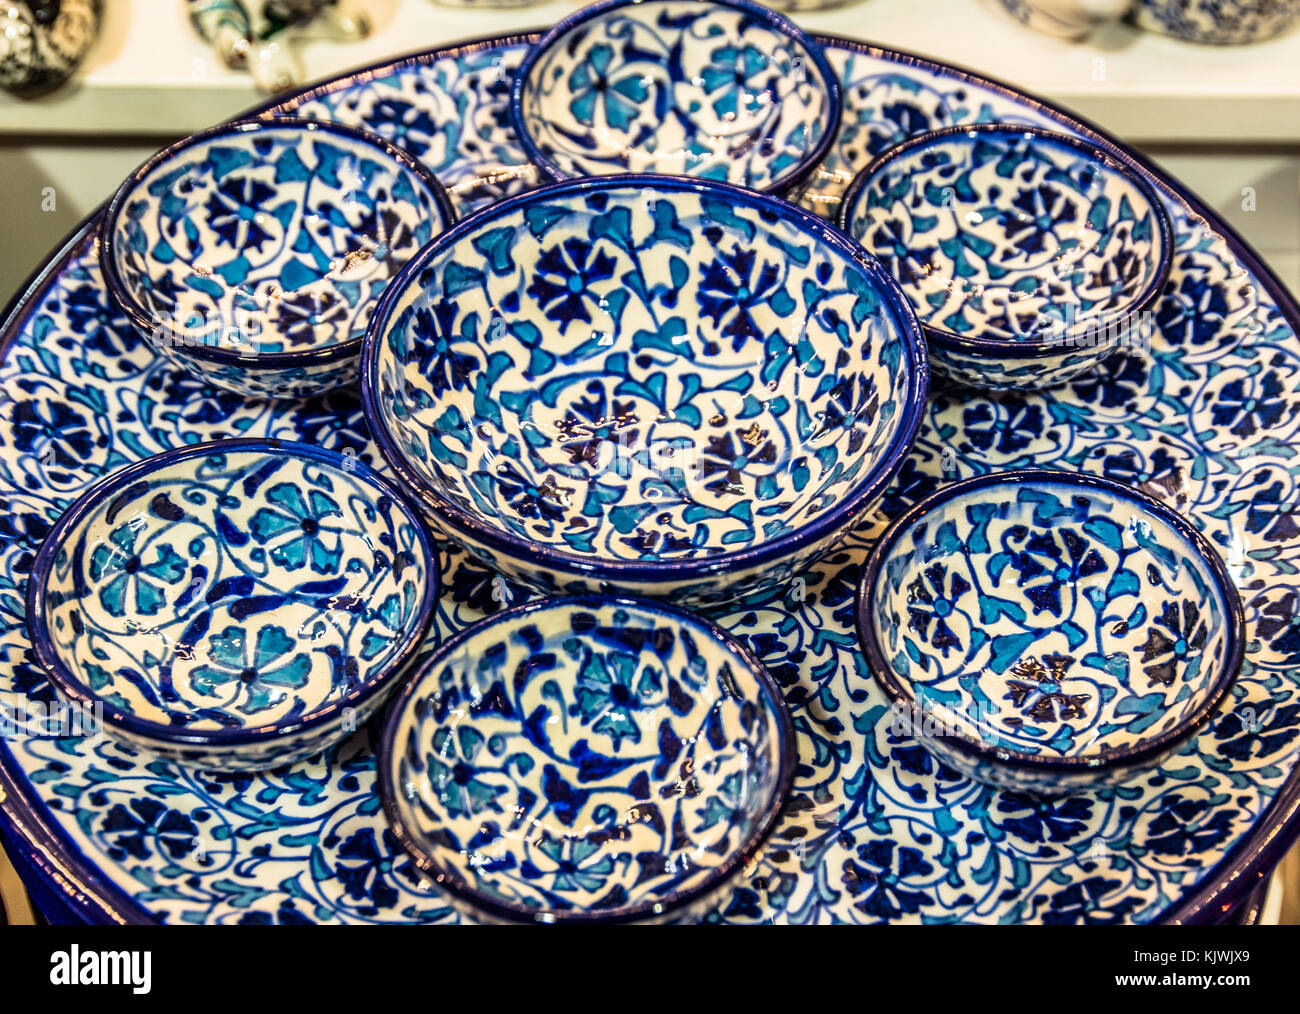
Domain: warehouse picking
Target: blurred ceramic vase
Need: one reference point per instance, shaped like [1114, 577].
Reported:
[1218, 22]
[1067, 19]
[43, 41]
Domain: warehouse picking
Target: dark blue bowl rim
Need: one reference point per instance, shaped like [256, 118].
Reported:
[71, 686]
[146, 323]
[1115, 162]
[718, 877]
[777, 22]
[877, 480]
[1104, 760]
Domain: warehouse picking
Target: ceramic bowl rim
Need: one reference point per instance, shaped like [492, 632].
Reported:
[911, 403]
[146, 322]
[1038, 348]
[736, 858]
[896, 688]
[775, 22]
[284, 731]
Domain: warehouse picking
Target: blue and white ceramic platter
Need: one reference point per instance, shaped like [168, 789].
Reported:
[875, 830]
[234, 605]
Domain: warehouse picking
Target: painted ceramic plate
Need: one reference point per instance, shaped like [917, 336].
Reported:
[1206, 421]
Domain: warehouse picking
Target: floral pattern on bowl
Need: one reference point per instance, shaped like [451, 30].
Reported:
[1049, 631]
[653, 384]
[587, 759]
[253, 253]
[237, 604]
[1218, 22]
[1029, 256]
[720, 89]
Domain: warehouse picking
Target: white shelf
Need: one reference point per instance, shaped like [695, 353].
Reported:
[150, 75]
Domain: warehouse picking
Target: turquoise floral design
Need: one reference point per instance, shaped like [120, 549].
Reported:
[619, 100]
[126, 580]
[254, 240]
[613, 692]
[294, 528]
[452, 772]
[259, 669]
[240, 588]
[1028, 255]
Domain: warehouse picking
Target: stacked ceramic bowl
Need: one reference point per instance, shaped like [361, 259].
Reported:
[648, 378]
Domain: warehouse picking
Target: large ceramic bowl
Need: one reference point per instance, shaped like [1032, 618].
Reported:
[1217, 22]
[1029, 256]
[648, 384]
[1049, 631]
[720, 89]
[234, 605]
[251, 254]
[586, 759]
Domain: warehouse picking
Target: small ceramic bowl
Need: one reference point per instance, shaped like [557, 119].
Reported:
[645, 384]
[1048, 632]
[1029, 256]
[1217, 22]
[586, 760]
[234, 605]
[721, 89]
[251, 254]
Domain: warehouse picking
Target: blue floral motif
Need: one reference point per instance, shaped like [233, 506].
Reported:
[126, 580]
[294, 526]
[1221, 22]
[1029, 256]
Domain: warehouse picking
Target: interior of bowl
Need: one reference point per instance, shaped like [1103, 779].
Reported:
[627, 371]
[267, 239]
[235, 589]
[1051, 619]
[678, 86]
[586, 756]
[1005, 234]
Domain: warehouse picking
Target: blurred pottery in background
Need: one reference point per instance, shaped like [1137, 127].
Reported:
[42, 42]
[265, 45]
[1067, 19]
[1217, 22]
